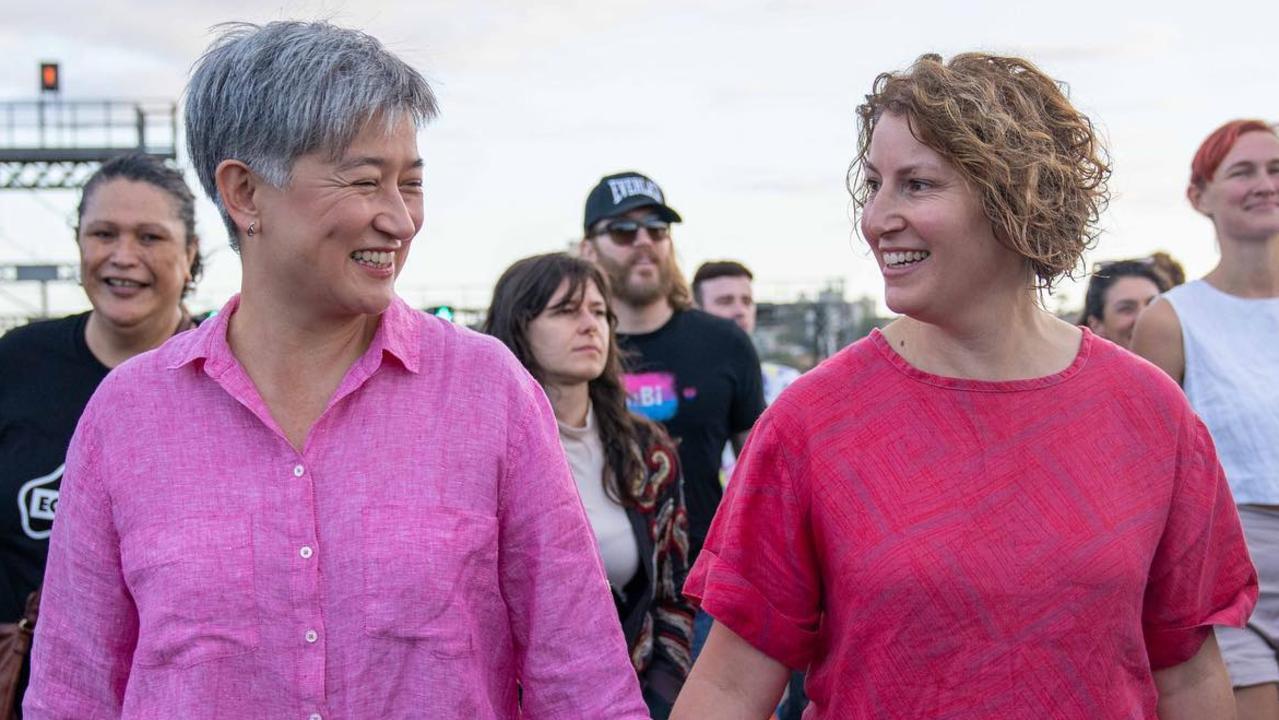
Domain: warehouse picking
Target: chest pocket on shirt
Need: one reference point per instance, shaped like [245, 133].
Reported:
[425, 570]
[192, 581]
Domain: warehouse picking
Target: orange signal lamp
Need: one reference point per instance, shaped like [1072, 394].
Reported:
[49, 77]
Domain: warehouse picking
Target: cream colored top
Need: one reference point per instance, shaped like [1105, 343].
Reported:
[613, 535]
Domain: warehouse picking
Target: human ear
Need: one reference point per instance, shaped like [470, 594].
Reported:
[237, 187]
[1195, 194]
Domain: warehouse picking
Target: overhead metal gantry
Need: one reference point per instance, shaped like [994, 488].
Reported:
[51, 143]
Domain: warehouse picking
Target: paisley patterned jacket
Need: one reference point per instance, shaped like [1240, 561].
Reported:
[656, 619]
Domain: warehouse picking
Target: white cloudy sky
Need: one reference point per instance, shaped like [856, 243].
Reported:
[742, 111]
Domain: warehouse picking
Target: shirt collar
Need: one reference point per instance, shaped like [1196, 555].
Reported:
[396, 335]
[399, 334]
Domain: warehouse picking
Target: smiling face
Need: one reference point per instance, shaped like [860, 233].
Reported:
[134, 253]
[1242, 198]
[569, 338]
[928, 232]
[335, 238]
[1124, 300]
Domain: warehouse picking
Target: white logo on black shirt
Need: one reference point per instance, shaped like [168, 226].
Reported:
[37, 503]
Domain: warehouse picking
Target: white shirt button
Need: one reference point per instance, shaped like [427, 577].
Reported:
[298, 470]
[306, 552]
[312, 636]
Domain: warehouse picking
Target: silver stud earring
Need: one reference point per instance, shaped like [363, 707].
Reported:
[253, 229]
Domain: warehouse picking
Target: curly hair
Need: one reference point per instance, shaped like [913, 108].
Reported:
[1011, 132]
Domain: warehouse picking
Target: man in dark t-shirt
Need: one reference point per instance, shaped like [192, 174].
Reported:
[696, 374]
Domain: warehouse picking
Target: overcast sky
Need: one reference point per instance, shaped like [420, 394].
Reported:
[742, 111]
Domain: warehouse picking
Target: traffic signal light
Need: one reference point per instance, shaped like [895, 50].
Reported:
[442, 311]
[49, 77]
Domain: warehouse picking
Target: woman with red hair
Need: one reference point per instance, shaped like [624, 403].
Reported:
[1219, 338]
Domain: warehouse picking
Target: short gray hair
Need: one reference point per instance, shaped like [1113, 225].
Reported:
[265, 95]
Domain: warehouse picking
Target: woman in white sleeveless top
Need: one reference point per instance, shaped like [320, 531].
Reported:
[1219, 338]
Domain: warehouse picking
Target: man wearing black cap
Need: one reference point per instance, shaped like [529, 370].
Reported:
[696, 374]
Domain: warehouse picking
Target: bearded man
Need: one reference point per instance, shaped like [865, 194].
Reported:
[696, 374]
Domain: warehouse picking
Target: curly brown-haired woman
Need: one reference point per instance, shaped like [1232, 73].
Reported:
[553, 312]
[955, 517]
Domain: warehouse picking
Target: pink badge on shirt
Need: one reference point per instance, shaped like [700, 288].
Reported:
[652, 395]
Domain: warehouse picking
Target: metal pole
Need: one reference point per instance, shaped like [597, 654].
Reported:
[142, 128]
[44, 298]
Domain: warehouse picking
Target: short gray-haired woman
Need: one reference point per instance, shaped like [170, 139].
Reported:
[322, 503]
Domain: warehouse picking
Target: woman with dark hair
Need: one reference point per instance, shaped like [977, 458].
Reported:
[1117, 293]
[955, 516]
[552, 311]
[1219, 338]
[139, 256]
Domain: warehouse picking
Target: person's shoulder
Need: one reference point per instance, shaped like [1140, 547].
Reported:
[711, 334]
[1160, 321]
[1123, 372]
[702, 322]
[1185, 292]
[1158, 337]
[160, 369]
[469, 359]
[41, 335]
[145, 369]
[464, 348]
[865, 355]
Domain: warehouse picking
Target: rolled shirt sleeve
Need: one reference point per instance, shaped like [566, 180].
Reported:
[1201, 574]
[758, 572]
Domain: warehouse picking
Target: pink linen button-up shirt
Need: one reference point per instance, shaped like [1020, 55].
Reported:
[424, 552]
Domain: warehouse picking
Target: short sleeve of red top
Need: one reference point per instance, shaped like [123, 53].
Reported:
[937, 547]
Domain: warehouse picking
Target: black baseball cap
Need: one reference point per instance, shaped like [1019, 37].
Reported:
[620, 193]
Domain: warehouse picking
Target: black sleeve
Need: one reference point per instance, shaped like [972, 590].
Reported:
[748, 384]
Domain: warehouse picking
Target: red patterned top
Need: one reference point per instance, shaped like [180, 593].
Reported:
[935, 547]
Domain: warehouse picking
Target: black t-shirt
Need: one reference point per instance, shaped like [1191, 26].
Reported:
[699, 376]
[47, 375]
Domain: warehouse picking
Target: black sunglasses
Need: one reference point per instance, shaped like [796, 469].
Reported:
[625, 231]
